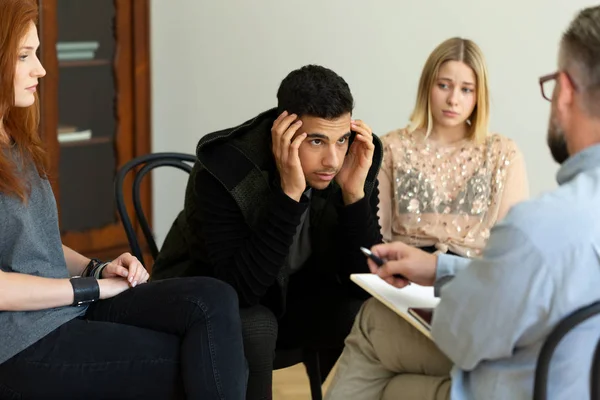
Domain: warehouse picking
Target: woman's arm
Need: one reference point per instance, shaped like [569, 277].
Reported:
[124, 266]
[386, 194]
[516, 187]
[22, 292]
[386, 200]
[76, 263]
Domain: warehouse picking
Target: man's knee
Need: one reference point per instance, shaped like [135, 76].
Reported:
[259, 330]
[374, 311]
[374, 316]
[413, 386]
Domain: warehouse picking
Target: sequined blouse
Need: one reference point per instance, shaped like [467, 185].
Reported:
[447, 196]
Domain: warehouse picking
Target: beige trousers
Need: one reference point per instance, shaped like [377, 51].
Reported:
[387, 358]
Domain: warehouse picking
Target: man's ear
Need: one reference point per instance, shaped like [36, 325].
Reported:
[565, 96]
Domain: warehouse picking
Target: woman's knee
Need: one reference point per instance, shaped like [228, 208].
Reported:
[209, 297]
[207, 290]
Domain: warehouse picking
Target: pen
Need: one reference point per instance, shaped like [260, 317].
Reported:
[379, 261]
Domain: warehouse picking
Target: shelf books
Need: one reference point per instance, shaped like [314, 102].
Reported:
[71, 51]
[68, 133]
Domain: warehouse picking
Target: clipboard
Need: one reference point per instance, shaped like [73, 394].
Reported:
[399, 300]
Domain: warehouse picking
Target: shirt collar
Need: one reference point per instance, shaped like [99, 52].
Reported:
[587, 159]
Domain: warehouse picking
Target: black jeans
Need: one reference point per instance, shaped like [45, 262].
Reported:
[177, 338]
[319, 316]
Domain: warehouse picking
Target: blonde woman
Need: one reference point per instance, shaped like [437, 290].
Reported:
[445, 181]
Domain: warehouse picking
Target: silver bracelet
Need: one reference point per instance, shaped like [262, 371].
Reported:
[99, 269]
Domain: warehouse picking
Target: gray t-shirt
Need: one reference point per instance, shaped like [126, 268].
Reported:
[30, 244]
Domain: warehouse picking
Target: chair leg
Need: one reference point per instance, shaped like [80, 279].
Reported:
[595, 374]
[313, 370]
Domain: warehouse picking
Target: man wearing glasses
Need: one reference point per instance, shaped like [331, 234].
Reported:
[541, 264]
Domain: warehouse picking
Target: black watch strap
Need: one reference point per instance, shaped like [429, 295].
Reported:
[85, 290]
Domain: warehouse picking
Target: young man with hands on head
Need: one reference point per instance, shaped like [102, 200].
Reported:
[278, 207]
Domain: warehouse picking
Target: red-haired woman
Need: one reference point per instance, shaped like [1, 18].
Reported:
[76, 328]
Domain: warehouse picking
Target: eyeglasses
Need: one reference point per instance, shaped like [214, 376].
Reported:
[547, 84]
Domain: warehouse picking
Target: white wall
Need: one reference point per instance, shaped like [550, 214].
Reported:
[216, 63]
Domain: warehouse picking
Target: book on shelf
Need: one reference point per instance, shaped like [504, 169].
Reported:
[77, 46]
[68, 134]
[76, 50]
[75, 55]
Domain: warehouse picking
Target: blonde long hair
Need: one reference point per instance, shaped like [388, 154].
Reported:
[454, 49]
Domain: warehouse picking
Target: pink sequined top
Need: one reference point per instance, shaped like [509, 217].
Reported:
[447, 196]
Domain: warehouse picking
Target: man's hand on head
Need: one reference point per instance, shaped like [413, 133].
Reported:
[285, 151]
[354, 171]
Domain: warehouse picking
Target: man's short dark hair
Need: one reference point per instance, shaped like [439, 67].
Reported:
[316, 91]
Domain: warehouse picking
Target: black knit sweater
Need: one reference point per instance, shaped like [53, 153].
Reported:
[250, 260]
[237, 224]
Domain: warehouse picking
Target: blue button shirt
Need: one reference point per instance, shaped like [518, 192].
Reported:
[542, 262]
